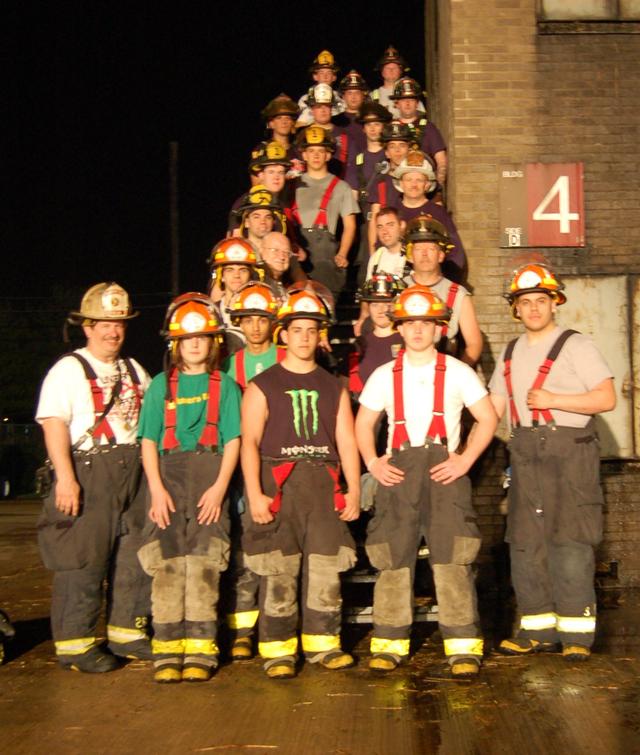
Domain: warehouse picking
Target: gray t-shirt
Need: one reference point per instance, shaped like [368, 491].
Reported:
[579, 368]
[309, 195]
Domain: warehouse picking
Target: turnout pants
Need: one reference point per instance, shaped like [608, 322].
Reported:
[101, 542]
[322, 247]
[306, 536]
[443, 515]
[554, 523]
[240, 585]
[184, 561]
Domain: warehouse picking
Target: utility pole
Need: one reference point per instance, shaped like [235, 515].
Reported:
[174, 218]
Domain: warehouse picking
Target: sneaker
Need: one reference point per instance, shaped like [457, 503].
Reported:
[242, 649]
[575, 652]
[525, 646]
[280, 668]
[168, 673]
[465, 668]
[384, 662]
[94, 661]
[138, 650]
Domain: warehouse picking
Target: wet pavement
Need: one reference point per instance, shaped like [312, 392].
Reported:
[522, 705]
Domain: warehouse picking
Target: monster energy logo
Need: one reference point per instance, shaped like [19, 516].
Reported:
[304, 403]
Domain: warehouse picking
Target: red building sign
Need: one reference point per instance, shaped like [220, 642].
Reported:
[542, 204]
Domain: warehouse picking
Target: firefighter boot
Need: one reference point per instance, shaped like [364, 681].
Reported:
[94, 661]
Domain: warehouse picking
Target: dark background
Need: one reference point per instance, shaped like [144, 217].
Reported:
[95, 96]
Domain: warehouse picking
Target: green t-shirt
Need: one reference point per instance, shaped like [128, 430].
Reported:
[254, 364]
[191, 410]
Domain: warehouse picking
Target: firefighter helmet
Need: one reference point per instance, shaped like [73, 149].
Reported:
[353, 80]
[316, 136]
[190, 314]
[321, 94]
[258, 198]
[416, 162]
[420, 303]
[253, 299]
[530, 279]
[396, 131]
[281, 105]
[268, 153]
[233, 251]
[381, 287]
[373, 112]
[391, 55]
[324, 59]
[406, 87]
[104, 301]
[303, 304]
[426, 228]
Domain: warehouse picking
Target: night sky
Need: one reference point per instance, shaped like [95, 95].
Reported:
[95, 97]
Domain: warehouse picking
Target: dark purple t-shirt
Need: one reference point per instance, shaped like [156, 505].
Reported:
[376, 351]
[357, 176]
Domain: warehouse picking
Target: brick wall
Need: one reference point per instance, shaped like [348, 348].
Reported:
[502, 93]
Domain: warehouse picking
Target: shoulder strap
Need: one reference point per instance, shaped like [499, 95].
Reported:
[382, 194]
[451, 300]
[241, 378]
[101, 425]
[513, 412]
[281, 353]
[209, 437]
[321, 217]
[355, 381]
[170, 441]
[437, 428]
[400, 436]
[543, 371]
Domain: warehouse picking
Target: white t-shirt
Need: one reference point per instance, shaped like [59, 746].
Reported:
[462, 387]
[386, 262]
[66, 394]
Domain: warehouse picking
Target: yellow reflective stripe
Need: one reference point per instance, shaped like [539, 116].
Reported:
[124, 634]
[242, 619]
[200, 647]
[458, 646]
[538, 621]
[167, 647]
[580, 624]
[74, 647]
[318, 643]
[395, 647]
[277, 648]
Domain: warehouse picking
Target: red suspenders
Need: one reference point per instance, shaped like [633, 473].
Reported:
[355, 381]
[321, 217]
[451, 300]
[209, 437]
[241, 378]
[543, 371]
[281, 473]
[344, 148]
[382, 194]
[437, 428]
[97, 395]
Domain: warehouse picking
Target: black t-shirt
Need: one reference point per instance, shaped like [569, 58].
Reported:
[376, 351]
[302, 414]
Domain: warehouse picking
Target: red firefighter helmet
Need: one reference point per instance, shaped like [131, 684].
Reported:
[190, 314]
[253, 299]
[233, 251]
[420, 303]
[533, 278]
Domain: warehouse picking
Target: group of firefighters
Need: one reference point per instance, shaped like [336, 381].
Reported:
[223, 488]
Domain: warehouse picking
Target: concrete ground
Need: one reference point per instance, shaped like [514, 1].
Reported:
[522, 705]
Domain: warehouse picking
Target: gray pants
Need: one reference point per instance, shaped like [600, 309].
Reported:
[102, 541]
[554, 522]
[185, 561]
[443, 515]
[322, 247]
[306, 535]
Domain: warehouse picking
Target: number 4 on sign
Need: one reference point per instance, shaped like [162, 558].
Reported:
[564, 214]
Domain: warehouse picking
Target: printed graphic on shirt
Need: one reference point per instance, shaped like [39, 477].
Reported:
[304, 404]
[127, 404]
